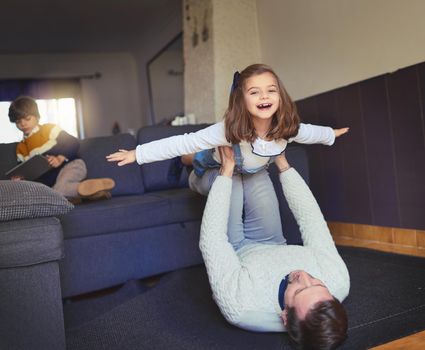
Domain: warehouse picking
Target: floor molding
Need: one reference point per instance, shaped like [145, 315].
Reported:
[387, 239]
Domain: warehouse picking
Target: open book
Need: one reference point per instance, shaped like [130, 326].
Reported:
[31, 169]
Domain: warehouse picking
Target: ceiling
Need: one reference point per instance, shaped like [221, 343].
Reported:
[46, 26]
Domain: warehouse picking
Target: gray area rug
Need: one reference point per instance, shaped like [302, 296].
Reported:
[386, 302]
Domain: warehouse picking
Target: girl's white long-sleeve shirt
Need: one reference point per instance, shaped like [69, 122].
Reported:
[245, 284]
[255, 154]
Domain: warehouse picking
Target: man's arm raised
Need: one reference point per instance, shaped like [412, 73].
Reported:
[313, 227]
[222, 263]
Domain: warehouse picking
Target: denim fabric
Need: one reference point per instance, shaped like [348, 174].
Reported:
[297, 158]
[204, 160]
[254, 211]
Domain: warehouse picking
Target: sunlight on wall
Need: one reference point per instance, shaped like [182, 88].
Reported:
[57, 111]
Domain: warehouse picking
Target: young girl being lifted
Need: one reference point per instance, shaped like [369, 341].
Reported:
[259, 122]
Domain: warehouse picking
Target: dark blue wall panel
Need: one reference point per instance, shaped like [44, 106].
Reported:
[307, 110]
[333, 184]
[380, 153]
[375, 174]
[356, 188]
[406, 121]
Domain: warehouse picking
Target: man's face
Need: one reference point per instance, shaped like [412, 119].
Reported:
[27, 124]
[303, 292]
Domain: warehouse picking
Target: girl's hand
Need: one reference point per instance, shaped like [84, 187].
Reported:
[123, 157]
[339, 132]
[55, 161]
[17, 178]
[227, 161]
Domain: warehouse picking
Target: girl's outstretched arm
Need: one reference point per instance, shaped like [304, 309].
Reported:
[340, 132]
[173, 146]
[311, 134]
[123, 157]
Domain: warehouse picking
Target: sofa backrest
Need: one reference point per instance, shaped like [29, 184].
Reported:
[94, 150]
[155, 175]
[8, 158]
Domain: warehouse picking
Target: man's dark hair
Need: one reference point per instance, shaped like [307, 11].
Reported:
[22, 107]
[324, 326]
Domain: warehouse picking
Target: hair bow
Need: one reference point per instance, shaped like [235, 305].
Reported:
[235, 82]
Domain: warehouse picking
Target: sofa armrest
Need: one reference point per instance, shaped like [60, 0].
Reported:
[31, 315]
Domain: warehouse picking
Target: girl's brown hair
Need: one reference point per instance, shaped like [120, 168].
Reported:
[238, 121]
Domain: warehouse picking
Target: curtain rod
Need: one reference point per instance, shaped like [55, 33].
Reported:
[94, 76]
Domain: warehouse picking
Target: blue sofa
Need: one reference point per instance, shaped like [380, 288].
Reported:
[150, 226]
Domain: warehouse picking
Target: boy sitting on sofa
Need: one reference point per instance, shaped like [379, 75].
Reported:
[60, 148]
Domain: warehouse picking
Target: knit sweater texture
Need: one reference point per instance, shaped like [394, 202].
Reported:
[245, 283]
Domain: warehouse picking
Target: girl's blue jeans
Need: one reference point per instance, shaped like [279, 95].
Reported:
[254, 210]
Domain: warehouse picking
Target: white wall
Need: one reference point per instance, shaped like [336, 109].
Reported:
[236, 45]
[199, 70]
[166, 24]
[113, 97]
[167, 88]
[232, 45]
[316, 46]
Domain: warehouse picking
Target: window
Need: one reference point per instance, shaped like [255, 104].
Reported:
[61, 111]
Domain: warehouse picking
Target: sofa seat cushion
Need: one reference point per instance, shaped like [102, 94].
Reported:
[126, 213]
[29, 242]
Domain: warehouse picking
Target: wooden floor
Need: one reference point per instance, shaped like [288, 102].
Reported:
[415, 341]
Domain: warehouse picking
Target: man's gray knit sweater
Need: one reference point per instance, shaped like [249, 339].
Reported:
[245, 284]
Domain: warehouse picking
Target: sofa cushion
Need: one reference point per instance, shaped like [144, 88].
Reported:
[27, 199]
[31, 241]
[155, 175]
[134, 212]
[94, 150]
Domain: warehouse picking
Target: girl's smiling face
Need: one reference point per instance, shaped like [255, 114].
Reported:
[261, 95]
